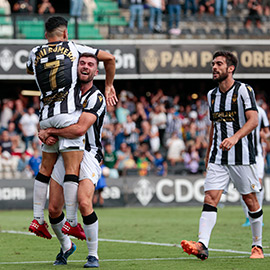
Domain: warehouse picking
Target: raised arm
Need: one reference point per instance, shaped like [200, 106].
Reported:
[109, 64]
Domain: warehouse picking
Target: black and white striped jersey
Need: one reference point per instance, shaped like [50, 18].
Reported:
[263, 122]
[94, 102]
[227, 111]
[55, 68]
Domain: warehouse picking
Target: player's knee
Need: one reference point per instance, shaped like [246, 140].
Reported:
[55, 209]
[85, 205]
[46, 169]
[251, 201]
[210, 200]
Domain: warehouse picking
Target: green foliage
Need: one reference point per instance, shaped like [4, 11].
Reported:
[158, 225]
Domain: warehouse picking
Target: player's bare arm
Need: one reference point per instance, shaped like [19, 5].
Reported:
[252, 123]
[86, 120]
[109, 64]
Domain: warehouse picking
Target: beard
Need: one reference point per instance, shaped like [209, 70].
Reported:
[221, 78]
[87, 80]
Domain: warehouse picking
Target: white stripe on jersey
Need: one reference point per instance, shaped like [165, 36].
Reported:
[95, 104]
[263, 122]
[227, 111]
[71, 51]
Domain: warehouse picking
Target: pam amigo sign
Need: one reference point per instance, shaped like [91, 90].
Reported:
[148, 59]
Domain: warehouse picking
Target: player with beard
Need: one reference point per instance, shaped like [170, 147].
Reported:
[90, 123]
[230, 154]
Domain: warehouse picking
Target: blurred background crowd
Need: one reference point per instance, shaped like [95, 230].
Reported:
[155, 134]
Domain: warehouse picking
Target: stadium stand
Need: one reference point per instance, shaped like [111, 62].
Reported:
[111, 22]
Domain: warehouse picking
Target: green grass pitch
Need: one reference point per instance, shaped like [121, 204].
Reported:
[138, 238]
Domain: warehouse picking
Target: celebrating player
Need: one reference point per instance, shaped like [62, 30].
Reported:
[230, 154]
[90, 122]
[55, 68]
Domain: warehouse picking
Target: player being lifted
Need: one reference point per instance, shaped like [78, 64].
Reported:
[55, 68]
[230, 154]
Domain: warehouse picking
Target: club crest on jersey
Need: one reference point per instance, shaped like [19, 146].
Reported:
[100, 98]
[84, 103]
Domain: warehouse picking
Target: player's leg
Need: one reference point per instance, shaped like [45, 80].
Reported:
[256, 218]
[38, 225]
[216, 182]
[72, 160]
[246, 181]
[245, 209]
[85, 196]
[260, 171]
[90, 173]
[56, 215]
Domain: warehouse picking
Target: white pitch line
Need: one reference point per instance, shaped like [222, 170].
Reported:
[142, 243]
[127, 260]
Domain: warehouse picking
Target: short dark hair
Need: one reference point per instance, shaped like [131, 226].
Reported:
[86, 54]
[231, 59]
[54, 22]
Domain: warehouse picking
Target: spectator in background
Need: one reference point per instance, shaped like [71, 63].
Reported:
[124, 159]
[23, 168]
[190, 4]
[206, 6]
[158, 118]
[155, 19]
[8, 163]
[176, 147]
[110, 117]
[6, 144]
[161, 165]
[28, 125]
[119, 136]
[145, 134]
[110, 159]
[266, 7]
[22, 7]
[191, 159]
[34, 163]
[131, 102]
[6, 113]
[131, 133]
[221, 5]
[14, 136]
[255, 13]
[140, 115]
[18, 113]
[143, 162]
[46, 7]
[88, 10]
[174, 123]
[5, 5]
[136, 8]
[76, 7]
[174, 10]
[121, 112]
